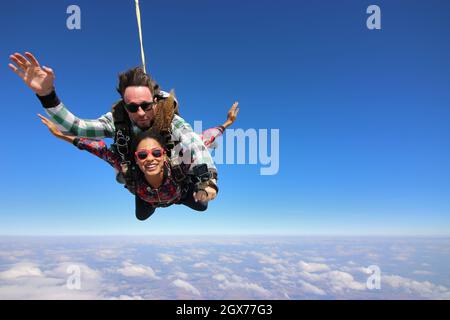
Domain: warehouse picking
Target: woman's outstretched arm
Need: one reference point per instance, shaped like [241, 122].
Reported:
[96, 147]
[55, 131]
[210, 135]
[232, 114]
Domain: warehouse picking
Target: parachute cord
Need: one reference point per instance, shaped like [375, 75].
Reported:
[138, 16]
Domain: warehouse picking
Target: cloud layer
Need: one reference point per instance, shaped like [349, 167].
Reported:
[221, 268]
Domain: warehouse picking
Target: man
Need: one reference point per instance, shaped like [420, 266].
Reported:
[139, 93]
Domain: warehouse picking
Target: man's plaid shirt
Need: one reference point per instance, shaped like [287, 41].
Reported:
[103, 127]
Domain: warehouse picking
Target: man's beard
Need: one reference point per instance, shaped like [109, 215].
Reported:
[143, 128]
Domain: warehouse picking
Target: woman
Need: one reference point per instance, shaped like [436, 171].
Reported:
[155, 183]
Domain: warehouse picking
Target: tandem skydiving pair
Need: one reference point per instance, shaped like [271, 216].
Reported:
[155, 153]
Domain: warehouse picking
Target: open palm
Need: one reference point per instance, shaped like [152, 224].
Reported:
[39, 79]
[233, 112]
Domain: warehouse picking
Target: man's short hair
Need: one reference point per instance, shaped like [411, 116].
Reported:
[136, 77]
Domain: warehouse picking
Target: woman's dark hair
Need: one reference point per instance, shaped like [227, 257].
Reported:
[137, 77]
[148, 134]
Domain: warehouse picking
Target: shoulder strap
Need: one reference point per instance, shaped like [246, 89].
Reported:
[122, 143]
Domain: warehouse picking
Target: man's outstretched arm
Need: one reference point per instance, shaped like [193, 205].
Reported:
[41, 81]
[102, 127]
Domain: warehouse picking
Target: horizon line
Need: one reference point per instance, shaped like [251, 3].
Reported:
[231, 235]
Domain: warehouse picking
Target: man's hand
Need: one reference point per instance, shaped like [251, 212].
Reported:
[39, 79]
[205, 197]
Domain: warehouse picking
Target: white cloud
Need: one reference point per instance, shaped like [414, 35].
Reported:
[46, 289]
[372, 256]
[186, 286]
[14, 255]
[355, 268]
[165, 258]
[290, 254]
[269, 270]
[364, 270]
[424, 289]
[313, 277]
[335, 281]
[402, 257]
[313, 267]
[219, 277]
[193, 252]
[62, 270]
[339, 281]
[136, 270]
[23, 269]
[402, 252]
[108, 253]
[27, 281]
[266, 272]
[266, 259]
[309, 288]
[181, 275]
[62, 258]
[236, 283]
[284, 281]
[317, 259]
[423, 272]
[126, 297]
[201, 265]
[229, 259]
[224, 269]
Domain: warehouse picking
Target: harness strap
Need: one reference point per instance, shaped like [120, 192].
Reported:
[122, 141]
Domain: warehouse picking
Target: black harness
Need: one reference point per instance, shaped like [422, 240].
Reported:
[123, 138]
[122, 145]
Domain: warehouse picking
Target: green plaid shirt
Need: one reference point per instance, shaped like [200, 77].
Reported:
[103, 127]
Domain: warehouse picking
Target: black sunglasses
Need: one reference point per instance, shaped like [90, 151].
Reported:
[134, 107]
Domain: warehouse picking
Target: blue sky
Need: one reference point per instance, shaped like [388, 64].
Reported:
[363, 115]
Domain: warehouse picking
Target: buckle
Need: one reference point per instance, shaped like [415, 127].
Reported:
[178, 173]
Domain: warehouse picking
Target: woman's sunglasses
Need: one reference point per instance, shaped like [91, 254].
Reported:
[156, 152]
[134, 107]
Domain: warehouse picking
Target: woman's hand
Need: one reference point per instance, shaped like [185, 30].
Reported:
[202, 196]
[51, 126]
[54, 130]
[232, 114]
